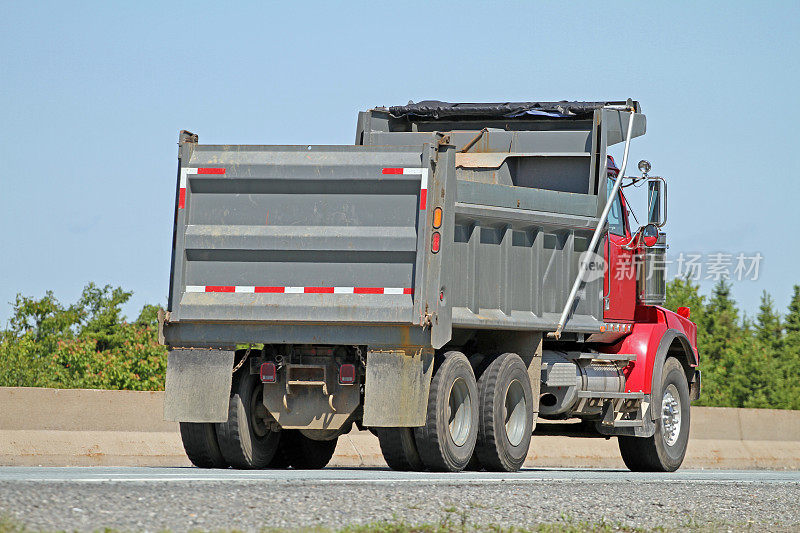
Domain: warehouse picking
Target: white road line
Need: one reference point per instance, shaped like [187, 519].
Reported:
[416, 481]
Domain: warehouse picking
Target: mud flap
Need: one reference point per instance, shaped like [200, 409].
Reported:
[198, 385]
[535, 378]
[396, 387]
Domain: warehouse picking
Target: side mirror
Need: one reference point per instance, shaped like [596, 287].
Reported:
[649, 235]
[656, 201]
[645, 235]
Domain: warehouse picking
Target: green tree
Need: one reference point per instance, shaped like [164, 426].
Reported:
[148, 316]
[787, 395]
[85, 345]
[723, 315]
[103, 315]
[745, 363]
[768, 327]
[722, 342]
[44, 320]
[681, 292]
[792, 321]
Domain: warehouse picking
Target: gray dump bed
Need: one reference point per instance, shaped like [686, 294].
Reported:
[332, 244]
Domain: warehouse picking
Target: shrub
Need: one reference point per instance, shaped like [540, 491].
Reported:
[86, 345]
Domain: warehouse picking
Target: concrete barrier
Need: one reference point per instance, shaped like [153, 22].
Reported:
[86, 427]
[124, 428]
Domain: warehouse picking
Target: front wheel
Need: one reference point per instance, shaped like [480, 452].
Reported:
[665, 450]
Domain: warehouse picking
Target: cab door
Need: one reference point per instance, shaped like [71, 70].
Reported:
[619, 288]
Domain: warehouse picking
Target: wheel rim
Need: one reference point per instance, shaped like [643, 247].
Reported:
[257, 422]
[459, 412]
[515, 413]
[671, 415]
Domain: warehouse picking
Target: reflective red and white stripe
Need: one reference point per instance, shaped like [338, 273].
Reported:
[253, 289]
[423, 186]
[185, 172]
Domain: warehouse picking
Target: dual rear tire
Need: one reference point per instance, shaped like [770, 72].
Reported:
[470, 424]
[506, 414]
[399, 449]
[201, 446]
[245, 441]
[447, 440]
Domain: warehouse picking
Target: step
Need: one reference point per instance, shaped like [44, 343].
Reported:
[583, 356]
[611, 395]
[628, 423]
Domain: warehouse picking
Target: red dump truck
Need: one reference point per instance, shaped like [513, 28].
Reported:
[459, 272]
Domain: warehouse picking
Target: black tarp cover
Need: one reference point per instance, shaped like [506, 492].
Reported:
[436, 110]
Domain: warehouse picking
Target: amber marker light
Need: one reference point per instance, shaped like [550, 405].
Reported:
[437, 218]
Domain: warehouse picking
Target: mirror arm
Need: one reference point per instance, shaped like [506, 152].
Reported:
[633, 244]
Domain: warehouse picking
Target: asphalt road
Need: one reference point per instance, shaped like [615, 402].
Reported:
[181, 499]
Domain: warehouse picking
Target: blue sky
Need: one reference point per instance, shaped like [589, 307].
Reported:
[94, 95]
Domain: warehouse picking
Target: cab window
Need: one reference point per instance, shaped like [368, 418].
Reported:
[616, 221]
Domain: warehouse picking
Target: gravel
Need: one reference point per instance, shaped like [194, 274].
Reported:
[253, 505]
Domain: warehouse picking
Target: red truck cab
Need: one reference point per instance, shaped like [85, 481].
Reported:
[663, 341]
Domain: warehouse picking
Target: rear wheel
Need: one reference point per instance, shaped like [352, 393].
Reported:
[303, 453]
[506, 418]
[245, 440]
[665, 450]
[200, 443]
[447, 440]
[399, 448]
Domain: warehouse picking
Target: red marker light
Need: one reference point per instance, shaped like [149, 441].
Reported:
[436, 241]
[685, 312]
[347, 374]
[268, 373]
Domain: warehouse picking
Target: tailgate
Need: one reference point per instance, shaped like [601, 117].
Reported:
[297, 234]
